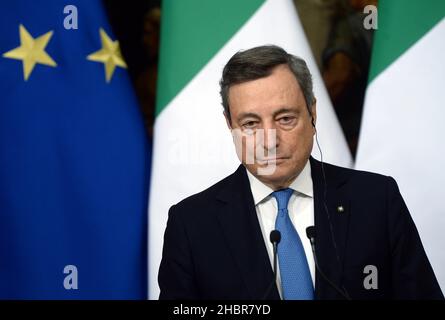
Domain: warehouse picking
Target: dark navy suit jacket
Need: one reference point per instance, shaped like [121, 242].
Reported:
[214, 248]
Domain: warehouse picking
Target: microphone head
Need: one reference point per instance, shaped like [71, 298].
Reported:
[310, 232]
[275, 236]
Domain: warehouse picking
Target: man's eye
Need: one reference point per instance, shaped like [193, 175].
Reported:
[286, 120]
[249, 124]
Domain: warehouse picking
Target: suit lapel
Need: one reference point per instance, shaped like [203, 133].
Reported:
[332, 212]
[239, 222]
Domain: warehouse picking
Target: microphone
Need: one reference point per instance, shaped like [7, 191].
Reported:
[310, 233]
[275, 238]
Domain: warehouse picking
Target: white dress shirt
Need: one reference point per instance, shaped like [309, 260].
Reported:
[301, 212]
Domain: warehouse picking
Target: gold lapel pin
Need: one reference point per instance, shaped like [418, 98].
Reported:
[340, 209]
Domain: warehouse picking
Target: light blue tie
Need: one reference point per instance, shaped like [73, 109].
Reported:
[296, 280]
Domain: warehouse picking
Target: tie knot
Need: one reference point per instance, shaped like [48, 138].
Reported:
[282, 196]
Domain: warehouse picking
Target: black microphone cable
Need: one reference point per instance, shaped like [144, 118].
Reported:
[331, 229]
[310, 233]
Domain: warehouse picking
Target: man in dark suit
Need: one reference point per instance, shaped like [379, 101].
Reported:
[216, 245]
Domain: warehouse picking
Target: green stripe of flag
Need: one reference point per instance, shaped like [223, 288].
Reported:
[192, 32]
[400, 24]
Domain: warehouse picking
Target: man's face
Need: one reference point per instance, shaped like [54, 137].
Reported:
[275, 126]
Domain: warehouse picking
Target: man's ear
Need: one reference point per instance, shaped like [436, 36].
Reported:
[314, 113]
[228, 122]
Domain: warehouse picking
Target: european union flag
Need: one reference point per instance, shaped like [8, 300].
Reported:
[74, 158]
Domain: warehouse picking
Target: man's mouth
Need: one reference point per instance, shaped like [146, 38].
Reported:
[271, 160]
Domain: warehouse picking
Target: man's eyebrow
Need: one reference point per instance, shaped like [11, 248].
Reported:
[247, 115]
[285, 110]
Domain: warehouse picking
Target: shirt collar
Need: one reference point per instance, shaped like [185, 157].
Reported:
[301, 184]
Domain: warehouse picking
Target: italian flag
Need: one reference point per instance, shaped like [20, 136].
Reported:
[403, 119]
[193, 147]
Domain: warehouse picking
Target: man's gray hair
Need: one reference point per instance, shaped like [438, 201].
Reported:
[259, 62]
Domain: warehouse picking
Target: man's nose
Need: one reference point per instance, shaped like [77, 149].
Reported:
[270, 137]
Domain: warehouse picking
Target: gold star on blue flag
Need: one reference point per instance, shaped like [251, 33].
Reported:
[31, 51]
[110, 55]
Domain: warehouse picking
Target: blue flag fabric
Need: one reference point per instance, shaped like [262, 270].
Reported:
[74, 158]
